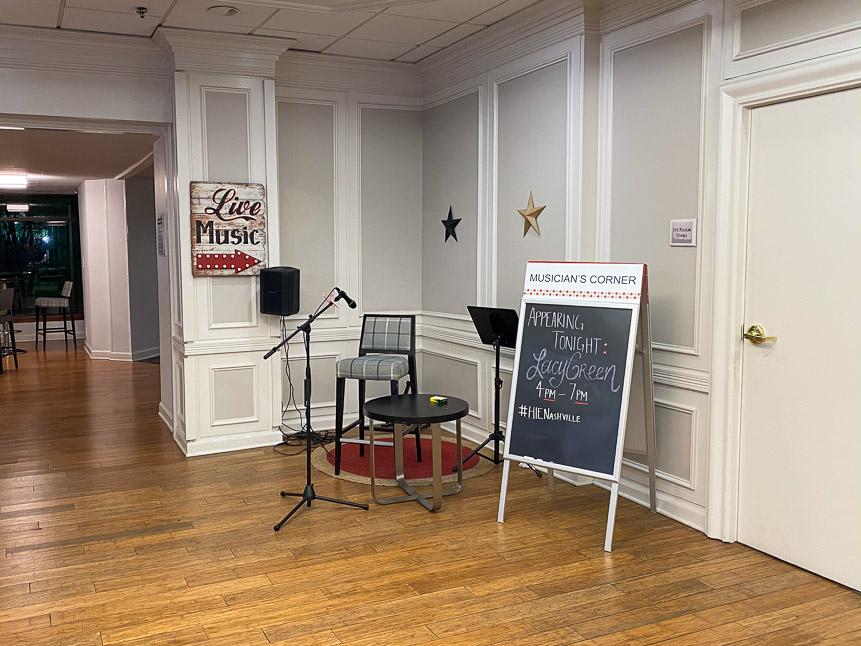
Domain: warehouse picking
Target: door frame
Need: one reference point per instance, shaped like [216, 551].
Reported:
[168, 414]
[738, 99]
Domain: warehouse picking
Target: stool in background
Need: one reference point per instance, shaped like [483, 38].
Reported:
[63, 302]
[7, 298]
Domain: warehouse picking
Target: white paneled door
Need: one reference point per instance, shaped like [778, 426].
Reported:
[800, 466]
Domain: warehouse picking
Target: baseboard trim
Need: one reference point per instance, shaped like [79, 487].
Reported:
[212, 445]
[685, 512]
[165, 416]
[146, 353]
[107, 355]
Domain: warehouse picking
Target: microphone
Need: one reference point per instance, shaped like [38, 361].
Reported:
[343, 295]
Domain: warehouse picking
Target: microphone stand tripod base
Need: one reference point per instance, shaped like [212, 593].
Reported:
[307, 496]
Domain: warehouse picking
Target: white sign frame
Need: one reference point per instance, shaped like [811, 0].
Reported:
[574, 283]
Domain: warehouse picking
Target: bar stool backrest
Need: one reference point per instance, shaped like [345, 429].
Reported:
[6, 297]
[388, 333]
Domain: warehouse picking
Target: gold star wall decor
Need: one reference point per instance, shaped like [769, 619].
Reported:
[530, 216]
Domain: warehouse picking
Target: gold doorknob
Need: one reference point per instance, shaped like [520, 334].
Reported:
[756, 334]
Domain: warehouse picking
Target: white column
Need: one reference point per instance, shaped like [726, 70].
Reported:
[226, 395]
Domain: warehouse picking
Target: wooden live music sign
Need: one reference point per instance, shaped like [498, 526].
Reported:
[583, 333]
[228, 229]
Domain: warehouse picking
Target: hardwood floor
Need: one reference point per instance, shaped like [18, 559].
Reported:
[110, 535]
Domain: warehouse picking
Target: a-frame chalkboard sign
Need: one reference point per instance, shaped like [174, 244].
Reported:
[581, 325]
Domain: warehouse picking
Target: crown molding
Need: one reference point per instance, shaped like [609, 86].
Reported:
[56, 50]
[220, 53]
[326, 72]
[536, 27]
[621, 13]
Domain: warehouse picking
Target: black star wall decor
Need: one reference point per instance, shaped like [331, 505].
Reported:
[450, 223]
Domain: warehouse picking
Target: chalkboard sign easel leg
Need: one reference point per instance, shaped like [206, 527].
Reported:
[611, 517]
[500, 515]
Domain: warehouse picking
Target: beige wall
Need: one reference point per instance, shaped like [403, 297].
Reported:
[450, 166]
[143, 273]
[390, 209]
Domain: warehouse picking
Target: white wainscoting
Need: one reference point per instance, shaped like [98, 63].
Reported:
[759, 35]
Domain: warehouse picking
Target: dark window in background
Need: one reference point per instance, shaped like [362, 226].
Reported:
[40, 249]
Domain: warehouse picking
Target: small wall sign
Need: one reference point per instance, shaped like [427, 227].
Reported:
[160, 221]
[683, 233]
[228, 229]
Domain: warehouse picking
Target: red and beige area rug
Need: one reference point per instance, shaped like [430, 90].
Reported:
[356, 468]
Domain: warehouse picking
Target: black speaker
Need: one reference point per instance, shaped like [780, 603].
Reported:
[279, 291]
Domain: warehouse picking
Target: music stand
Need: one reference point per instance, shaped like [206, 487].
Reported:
[496, 327]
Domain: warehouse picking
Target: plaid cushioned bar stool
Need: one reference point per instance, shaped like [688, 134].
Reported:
[63, 302]
[387, 352]
[7, 299]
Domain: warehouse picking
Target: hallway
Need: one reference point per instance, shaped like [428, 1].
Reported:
[110, 535]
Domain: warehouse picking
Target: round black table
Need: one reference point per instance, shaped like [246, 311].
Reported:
[405, 410]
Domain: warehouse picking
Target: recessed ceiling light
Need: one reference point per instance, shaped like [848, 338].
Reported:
[223, 10]
[13, 181]
[10, 128]
[17, 208]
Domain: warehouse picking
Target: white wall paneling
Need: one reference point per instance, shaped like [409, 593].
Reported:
[657, 105]
[312, 173]
[232, 302]
[656, 158]
[534, 129]
[232, 147]
[389, 201]
[676, 437]
[180, 431]
[105, 269]
[163, 165]
[324, 356]
[233, 398]
[231, 403]
[451, 167]
[738, 99]
[225, 131]
[460, 375]
[766, 34]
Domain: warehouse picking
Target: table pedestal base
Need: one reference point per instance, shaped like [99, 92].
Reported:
[431, 502]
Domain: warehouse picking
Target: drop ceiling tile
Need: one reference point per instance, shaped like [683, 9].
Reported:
[304, 42]
[417, 54]
[208, 26]
[458, 33]
[339, 5]
[154, 7]
[108, 22]
[250, 15]
[452, 10]
[400, 29]
[502, 11]
[30, 14]
[375, 49]
[315, 22]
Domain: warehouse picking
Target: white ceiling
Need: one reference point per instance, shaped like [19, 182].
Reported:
[57, 161]
[392, 30]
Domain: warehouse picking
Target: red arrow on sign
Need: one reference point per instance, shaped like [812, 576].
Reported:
[238, 261]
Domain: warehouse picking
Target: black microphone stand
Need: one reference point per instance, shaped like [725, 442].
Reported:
[308, 494]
